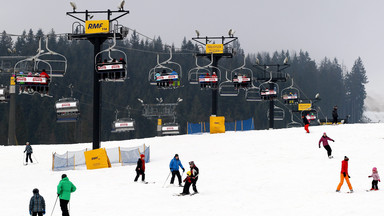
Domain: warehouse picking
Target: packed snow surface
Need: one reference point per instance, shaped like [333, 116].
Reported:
[269, 172]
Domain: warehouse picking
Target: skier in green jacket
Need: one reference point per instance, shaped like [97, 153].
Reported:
[64, 190]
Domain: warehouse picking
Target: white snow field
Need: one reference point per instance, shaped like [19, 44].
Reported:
[269, 172]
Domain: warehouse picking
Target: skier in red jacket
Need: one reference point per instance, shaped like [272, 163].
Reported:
[140, 168]
[344, 175]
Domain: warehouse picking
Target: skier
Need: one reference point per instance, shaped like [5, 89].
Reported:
[188, 182]
[344, 175]
[306, 123]
[28, 149]
[174, 167]
[140, 168]
[334, 115]
[194, 175]
[324, 139]
[64, 190]
[376, 178]
[36, 204]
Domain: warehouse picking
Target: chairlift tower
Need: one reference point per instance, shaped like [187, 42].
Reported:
[272, 73]
[214, 52]
[97, 31]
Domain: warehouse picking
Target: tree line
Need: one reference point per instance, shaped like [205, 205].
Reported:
[36, 117]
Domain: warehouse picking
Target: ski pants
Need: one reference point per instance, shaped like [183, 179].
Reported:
[342, 181]
[29, 155]
[374, 184]
[37, 213]
[334, 120]
[186, 187]
[64, 207]
[138, 173]
[175, 173]
[194, 184]
[329, 150]
[306, 128]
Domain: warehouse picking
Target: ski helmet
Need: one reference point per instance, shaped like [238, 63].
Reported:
[35, 191]
[374, 169]
[191, 163]
[63, 176]
[189, 173]
[142, 155]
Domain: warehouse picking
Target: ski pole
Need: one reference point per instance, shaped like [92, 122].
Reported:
[54, 205]
[35, 158]
[166, 179]
[23, 158]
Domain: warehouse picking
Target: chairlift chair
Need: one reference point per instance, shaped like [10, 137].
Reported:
[33, 75]
[290, 95]
[4, 94]
[202, 75]
[113, 69]
[67, 110]
[227, 88]
[170, 129]
[311, 115]
[268, 93]
[166, 75]
[253, 94]
[278, 113]
[242, 77]
[123, 124]
[293, 123]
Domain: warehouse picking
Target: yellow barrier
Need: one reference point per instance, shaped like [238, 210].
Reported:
[217, 124]
[96, 159]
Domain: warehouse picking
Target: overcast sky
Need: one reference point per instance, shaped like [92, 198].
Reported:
[345, 29]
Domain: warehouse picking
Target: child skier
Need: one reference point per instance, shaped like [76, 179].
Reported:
[36, 204]
[188, 182]
[376, 178]
[140, 168]
[324, 139]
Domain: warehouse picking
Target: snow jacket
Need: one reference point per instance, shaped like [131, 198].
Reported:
[344, 167]
[195, 173]
[334, 113]
[28, 149]
[324, 140]
[174, 165]
[305, 120]
[37, 203]
[140, 165]
[65, 188]
[375, 176]
[188, 179]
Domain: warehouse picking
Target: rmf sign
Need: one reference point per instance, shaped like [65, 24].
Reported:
[96, 26]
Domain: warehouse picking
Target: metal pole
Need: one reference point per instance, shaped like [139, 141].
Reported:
[96, 94]
[214, 89]
[12, 115]
[271, 109]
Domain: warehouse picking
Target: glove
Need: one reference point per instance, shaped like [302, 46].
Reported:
[30, 212]
[170, 169]
[183, 170]
[344, 174]
[58, 194]
[349, 176]
[379, 180]
[43, 211]
[333, 140]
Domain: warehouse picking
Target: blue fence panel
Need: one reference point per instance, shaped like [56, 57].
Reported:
[203, 127]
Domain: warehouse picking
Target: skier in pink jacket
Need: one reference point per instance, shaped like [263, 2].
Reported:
[324, 139]
[376, 178]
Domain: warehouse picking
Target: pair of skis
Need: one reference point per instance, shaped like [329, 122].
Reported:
[181, 194]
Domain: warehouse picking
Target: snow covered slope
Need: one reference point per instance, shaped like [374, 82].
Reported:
[271, 172]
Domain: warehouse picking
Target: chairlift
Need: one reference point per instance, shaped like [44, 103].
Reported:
[278, 113]
[4, 94]
[242, 77]
[123, 124]
[202, 75]
[290, 95]
[166, 75]
[114, 68]
[57, 61]
[227, 88]
[33, 75]
[67, 109]
[311, 115]
[170, 129]
[269, 89]
[253, 94]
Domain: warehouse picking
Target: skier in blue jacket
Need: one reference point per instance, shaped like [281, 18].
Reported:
[174, 166]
